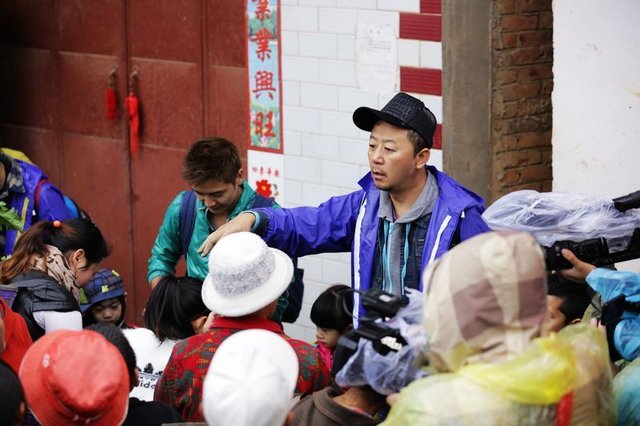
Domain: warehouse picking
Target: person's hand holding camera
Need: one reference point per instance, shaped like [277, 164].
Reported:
[580, 269]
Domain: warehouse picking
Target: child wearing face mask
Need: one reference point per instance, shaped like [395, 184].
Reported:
[106, 300]
[51, 262]
[331, 313]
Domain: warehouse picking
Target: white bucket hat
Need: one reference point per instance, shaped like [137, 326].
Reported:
[245, 275]
[251, 380]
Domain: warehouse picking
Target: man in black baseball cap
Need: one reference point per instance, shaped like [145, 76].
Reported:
[405, 215]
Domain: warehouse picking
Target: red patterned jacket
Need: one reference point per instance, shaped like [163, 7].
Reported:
[181, 383]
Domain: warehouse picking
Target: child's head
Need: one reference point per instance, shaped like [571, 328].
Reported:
[331, 314]
[175, 309]
[566, 301]
[106, 298]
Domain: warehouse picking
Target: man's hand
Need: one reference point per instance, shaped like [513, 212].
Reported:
[241, 223]
[580, 269]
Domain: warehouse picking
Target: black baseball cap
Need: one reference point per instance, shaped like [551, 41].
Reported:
[401, 111]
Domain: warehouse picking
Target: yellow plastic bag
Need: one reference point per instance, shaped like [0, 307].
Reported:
[541, 375]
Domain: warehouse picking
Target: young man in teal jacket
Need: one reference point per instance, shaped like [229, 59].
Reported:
[218, 194]
[405, 215]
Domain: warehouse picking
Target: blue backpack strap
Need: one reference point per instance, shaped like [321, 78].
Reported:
[259, 202]
[187, 219]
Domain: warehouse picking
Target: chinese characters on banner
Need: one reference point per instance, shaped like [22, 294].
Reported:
[265, 92]
[264, 156]
[265, 174]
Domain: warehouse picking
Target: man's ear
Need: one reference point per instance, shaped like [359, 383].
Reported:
[575, 321]
[240, 177]
[422, 158]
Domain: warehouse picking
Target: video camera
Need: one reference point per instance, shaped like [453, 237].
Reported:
[599, 251]
[379, 305]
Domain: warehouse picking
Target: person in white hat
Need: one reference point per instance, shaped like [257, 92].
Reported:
[245, 279]
[251, 380]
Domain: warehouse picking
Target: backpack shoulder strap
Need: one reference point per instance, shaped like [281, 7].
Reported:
[187, 219]
[259, 201]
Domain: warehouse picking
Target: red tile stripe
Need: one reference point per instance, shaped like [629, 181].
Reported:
[418, 26]
[437, 137]
[426, 81]
[431, 6]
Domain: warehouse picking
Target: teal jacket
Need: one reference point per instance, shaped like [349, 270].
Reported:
[167, 249]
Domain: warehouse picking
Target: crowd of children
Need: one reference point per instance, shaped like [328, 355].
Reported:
[506, 363]
[445, 322]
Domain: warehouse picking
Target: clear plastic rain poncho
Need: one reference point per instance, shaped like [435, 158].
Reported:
[557, 216]
[389, 373]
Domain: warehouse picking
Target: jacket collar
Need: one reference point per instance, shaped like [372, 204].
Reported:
[246, 323]
[456, 197]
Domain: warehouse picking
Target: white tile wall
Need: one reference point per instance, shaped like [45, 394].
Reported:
[317, 45]
[291, 93]
[322, 146]
[317, 2]
[346, 47]
[325, 154]
[289, 43]
[339, 73]
[337, 173]
[400, 5]
[293, 145]
[357, 4]
[431, 54]
[319, 96]
[338, 21]
[409, 53]
[299, 18]
[300, 69]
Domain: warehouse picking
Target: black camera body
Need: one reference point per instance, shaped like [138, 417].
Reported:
[595, 251]
[598, 251]
[379, 305]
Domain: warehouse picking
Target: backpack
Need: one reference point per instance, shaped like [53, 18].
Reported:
[72, 206]
[187, 221]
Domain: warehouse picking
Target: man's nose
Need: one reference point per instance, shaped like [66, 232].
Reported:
[376, 155]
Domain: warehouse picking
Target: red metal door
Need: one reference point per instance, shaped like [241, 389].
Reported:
[55, 66]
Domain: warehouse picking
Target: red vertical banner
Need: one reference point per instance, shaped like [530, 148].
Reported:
[265, 86]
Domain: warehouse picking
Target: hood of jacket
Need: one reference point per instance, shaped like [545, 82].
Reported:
[485, 300]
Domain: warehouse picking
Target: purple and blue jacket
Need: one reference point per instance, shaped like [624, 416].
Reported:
[350, 223]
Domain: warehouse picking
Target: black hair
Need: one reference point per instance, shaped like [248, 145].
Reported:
[172, 305]
[68, 236]
[332, 309]
[116, 337]
[418, 141]
[11, 395]
[575, 297]
[211, 159]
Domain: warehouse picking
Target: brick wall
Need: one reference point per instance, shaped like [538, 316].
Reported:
[522, 81]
